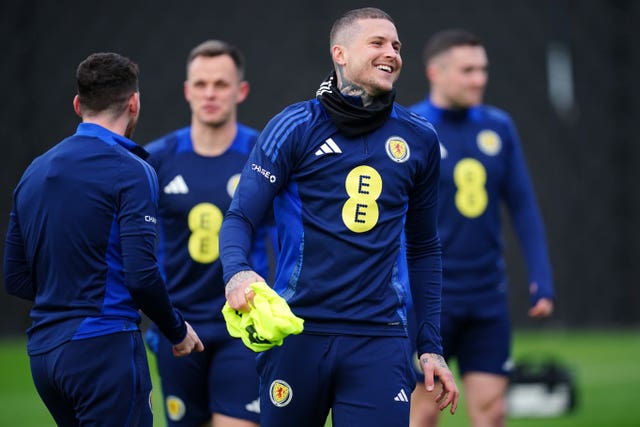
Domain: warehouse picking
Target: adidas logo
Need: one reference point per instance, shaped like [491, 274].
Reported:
[325, 87]
[176, 186]
[328, 147]
[401, 397]
[253, 406]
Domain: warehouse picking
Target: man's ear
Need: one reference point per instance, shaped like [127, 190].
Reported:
[431, 72]
[338, 54]
[185, 89]
[76, 105]
[243, 92]
[134, 103]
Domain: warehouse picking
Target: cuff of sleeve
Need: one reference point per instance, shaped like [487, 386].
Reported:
[178, 331]
[541, 293]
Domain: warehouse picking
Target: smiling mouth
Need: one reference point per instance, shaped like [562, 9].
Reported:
[385, 68]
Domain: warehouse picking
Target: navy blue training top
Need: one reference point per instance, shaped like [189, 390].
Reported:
[195, 193]
[340, 208]
[483, 166]
[82, 242]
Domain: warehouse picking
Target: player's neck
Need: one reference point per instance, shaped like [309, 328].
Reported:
[446, 103]
[440, 101]
[116, 125]
[212, 140]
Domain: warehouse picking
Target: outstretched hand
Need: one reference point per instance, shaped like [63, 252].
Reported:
[432, 365]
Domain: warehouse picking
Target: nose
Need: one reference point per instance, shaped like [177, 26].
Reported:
[391, 52]
[210, 91]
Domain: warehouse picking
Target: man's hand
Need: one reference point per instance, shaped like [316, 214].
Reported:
[189, 344]
[434, 364]
[543, 308]
[238, 292]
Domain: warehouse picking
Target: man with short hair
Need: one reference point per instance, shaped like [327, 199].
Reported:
[346, 171]
[81, 244]
[482, 165]
[198, 169]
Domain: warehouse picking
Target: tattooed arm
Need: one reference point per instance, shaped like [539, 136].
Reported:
[432, 365]
[237, 290]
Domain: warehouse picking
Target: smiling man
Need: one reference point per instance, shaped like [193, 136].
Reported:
[345, 169]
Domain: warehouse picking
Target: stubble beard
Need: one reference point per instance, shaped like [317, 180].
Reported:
[131, 127]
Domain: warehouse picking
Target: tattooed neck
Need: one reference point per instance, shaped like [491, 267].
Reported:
[349, 88]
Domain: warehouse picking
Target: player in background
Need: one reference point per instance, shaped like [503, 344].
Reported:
[482, 165]
[198, 169]
[81, 245]
[345, 169]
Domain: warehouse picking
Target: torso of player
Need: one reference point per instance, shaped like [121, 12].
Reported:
[473, 168]
[195, 193]
[356, 186]
[345, 204]
[475, 150]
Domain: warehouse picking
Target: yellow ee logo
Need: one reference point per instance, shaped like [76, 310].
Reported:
[205, 220]
[360, 211]
[470, 177]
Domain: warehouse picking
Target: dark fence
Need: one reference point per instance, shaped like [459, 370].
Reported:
[566, 70]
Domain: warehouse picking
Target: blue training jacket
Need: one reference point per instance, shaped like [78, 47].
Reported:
[195, 192]
[340, 206]
[482, 166]
[82, 242]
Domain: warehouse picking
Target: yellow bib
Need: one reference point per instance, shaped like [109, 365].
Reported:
[267, 324]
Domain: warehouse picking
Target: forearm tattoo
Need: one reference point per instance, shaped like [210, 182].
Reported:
[435, 358]
[236, 280]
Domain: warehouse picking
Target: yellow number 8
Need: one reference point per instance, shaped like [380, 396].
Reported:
[470, 178]
[360, 211]
[205, 220]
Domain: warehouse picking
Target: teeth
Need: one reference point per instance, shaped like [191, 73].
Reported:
[384, 68]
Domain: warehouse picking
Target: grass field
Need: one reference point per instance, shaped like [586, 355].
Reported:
[605, 364]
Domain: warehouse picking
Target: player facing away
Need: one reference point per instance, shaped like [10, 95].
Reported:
[81, 245]
[343, 171]
[481, 165]
[198, 169]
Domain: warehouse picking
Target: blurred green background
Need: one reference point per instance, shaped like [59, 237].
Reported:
[604, 362]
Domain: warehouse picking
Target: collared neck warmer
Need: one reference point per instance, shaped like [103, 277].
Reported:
[348, 114]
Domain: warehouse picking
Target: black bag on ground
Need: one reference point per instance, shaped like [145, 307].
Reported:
[542, 388]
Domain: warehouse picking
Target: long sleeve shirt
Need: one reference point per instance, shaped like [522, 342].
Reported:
[483, 167]
[340, 209]
[81, 242]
